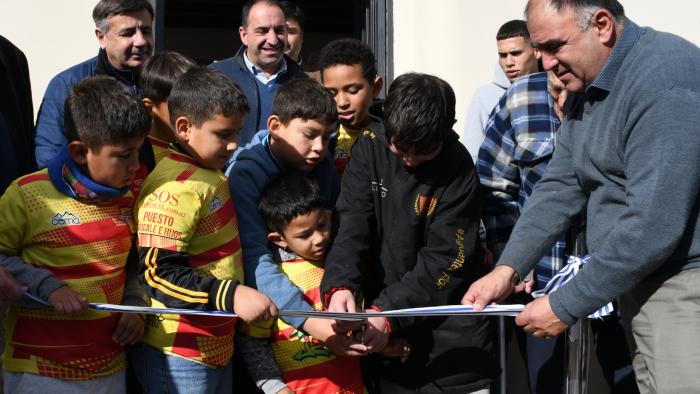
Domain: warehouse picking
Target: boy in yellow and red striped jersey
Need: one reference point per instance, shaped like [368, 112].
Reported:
[189, 249]
[66, 235]
[300, 225]
[156, 79]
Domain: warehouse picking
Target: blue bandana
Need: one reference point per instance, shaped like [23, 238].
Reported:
[67, 177]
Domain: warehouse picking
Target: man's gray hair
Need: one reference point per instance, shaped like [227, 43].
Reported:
[106, 9]
[585, 9]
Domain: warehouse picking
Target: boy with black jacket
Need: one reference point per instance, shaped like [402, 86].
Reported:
[408, 237]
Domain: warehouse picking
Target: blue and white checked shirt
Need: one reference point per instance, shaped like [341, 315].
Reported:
[520, 137]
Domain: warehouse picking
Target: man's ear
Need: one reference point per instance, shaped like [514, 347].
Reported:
[182, 128]
[100, 37]
[78, 152]
[277, 239]
[377, 86]
[243, 34]
[604, 22]
[273, 126]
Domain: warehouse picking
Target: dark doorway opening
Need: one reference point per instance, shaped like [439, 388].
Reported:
[207, 30]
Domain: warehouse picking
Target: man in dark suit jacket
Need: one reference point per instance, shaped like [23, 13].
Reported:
[16, 115]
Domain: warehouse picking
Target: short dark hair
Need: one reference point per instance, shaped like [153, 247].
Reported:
[305, 99]
[349, 51]
[514, 28]
[202, 93]
[101, 111]
[108, 8]
[287, 196]
[585, 9]
[293, 11]
[419, 112]
[160, 72]
[245, 11]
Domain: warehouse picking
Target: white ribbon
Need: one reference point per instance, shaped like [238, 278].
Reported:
[573, 265]
[446, 310]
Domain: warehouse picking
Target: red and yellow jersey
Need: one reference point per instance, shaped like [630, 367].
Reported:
[160, 148]
[308, 366]
[85, 245]
[190, 257]
[343, 147]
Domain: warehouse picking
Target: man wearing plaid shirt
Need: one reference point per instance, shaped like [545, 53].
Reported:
[520, 137]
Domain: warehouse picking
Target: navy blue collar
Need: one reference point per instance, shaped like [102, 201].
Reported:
[606, 78]
[104, 67]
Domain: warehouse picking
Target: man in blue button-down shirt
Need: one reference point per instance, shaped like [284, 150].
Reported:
[260, 66]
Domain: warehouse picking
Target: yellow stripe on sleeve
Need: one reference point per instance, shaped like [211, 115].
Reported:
[168, 288]
[218, 295]
[222, 298]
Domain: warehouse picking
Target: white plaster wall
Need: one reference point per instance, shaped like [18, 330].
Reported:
[455, 39]
[53, 34]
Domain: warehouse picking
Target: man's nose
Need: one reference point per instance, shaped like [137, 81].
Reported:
[139, 38]
[271, 37]
[548, 61]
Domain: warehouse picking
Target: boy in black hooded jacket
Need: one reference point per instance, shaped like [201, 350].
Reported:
[409, 213]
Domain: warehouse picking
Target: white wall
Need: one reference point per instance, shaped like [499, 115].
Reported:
[455, 39]
[54, 35]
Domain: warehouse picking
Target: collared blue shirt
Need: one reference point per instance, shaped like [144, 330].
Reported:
[519, 142]
[259, 74]
[266, 88]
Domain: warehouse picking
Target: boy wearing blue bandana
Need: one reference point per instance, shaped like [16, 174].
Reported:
[67, 235]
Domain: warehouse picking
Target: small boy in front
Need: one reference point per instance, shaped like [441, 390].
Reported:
[349, 72]
[66, 235]
[300, 226]
[408, 237]
[156, 79]
[189, 249]
[302, 122]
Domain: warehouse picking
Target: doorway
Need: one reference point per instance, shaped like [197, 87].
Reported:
[207, 30]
